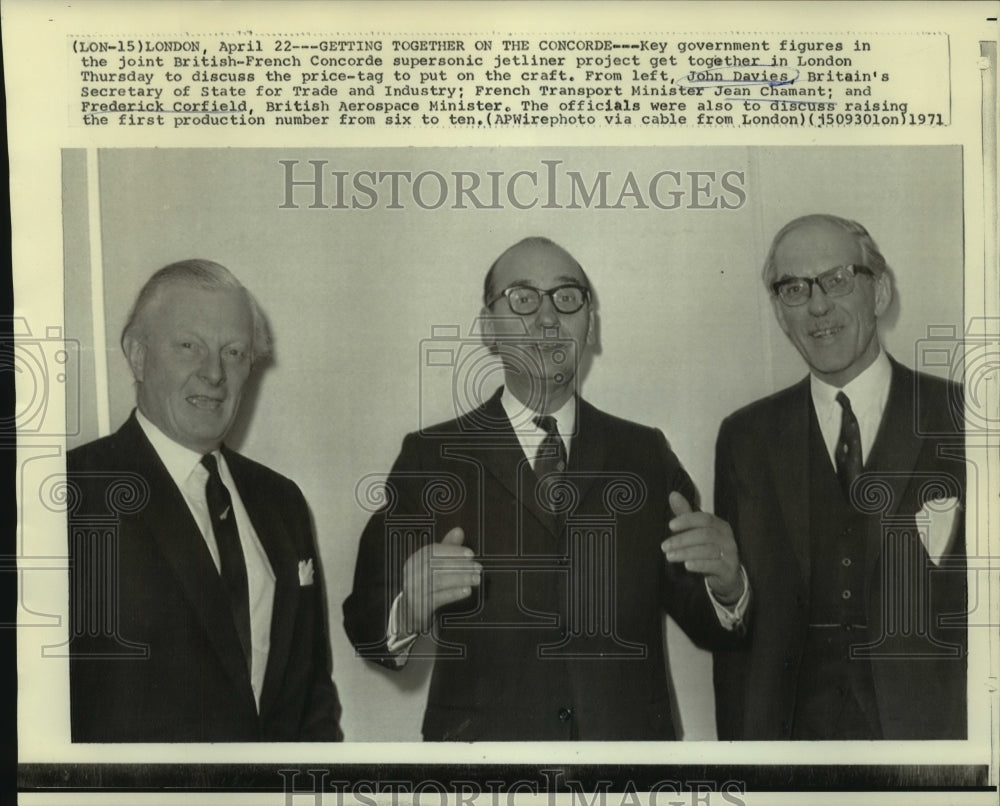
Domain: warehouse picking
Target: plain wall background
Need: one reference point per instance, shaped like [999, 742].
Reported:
[686, 329]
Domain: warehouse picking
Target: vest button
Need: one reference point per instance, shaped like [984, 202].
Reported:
[564, 714]
[846, 562]
[845, 595]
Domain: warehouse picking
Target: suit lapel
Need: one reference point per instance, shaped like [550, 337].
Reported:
[589, 449]
[897, 444]
[788, 458]
[280, 549]
[504, 458]
[168, 523]
[894, 453]
[500, 453]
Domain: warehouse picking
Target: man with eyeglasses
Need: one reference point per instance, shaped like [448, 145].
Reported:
[542, 574]
[844, 493]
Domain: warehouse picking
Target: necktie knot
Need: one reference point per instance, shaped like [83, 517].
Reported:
[845, 403]
[210, 463]
[548, 424]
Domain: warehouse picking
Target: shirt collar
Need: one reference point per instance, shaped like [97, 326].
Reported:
[178, 460]
[869, 389]
[522, 419]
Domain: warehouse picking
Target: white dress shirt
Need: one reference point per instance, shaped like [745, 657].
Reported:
[868, 393]
[190, 476]
[522, 420]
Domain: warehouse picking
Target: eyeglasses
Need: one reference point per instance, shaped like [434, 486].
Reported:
[836, 282]
[525, 300]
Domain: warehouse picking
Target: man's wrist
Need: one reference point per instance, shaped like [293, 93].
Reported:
[729, 595]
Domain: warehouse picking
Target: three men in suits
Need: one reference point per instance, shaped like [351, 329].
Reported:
[528, 537]
[196, 604]
[844, 493]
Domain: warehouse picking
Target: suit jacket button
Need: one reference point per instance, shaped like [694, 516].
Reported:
[564, 714]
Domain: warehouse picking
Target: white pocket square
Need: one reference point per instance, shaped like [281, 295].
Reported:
[937, 523]
[305, 573]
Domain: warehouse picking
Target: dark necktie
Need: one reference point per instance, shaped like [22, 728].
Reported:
[227, 538]
[550, 461]
[848, 454]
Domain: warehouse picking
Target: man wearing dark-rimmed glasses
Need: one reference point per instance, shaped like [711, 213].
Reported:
[845, 495]
[543, 574]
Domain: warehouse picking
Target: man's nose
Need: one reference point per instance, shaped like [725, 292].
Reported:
[819, 302]
[547, 315]
[212, 369]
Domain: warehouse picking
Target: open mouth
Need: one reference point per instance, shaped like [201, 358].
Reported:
[204, 402]
[826, 333]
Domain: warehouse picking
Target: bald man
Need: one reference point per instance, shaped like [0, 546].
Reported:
[538, 541]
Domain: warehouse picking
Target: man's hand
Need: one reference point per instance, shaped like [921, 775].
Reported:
[705, 544]
[436, 575]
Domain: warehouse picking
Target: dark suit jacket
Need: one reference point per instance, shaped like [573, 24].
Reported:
[563, 638]
[762, 489]
[154, 652]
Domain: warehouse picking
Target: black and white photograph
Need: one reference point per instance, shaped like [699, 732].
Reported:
[544, 465]
[628, 301]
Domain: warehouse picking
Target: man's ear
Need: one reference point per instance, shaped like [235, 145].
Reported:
[135, 353]
[591, 327]
[883, 293]
[487, 328]
[779, 313]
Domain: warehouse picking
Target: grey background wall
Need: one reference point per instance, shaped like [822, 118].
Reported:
[686, 330]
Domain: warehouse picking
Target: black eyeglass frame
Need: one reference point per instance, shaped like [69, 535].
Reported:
[821, 281]
[542, 293]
